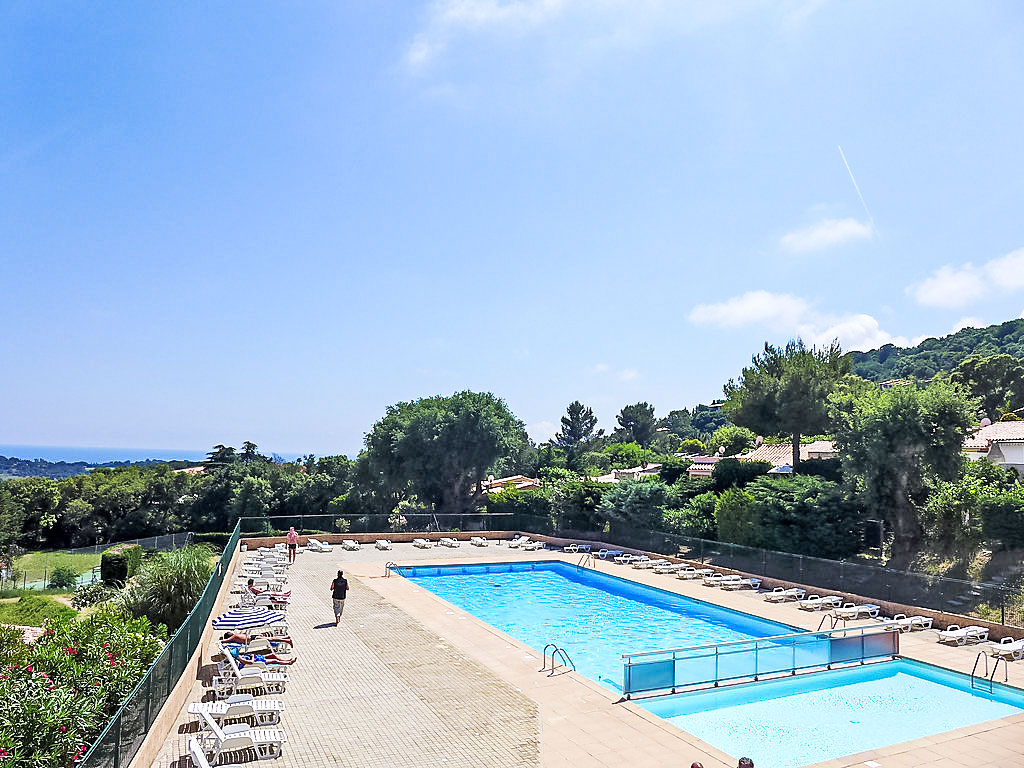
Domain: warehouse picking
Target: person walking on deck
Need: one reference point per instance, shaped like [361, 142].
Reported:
[339, 588]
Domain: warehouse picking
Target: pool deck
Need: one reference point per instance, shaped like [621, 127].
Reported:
[409, 680]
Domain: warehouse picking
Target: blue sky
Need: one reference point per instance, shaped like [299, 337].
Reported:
[269, 221]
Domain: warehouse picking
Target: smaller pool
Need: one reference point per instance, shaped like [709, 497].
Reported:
[801, 720]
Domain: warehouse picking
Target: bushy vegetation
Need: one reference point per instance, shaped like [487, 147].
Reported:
[120, 563]
[168, 585]
[57, 694]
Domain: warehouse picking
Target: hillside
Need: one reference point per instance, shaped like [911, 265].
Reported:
[57, 470]
[934, 355]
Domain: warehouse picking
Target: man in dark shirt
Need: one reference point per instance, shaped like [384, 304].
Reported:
[339, 588]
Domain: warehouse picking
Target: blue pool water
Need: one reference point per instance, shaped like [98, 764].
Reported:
[594, 616]
[783, 723]
[803, 720]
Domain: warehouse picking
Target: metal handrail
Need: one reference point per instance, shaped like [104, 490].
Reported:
[388, 566]
[555, 649]
[981, 655]
[587, 559]
[860, 630]
[820, 652]
[992, 677]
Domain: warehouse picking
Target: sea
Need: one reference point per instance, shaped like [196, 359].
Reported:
[96, 455]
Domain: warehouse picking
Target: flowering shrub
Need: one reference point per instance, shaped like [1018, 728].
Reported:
[90, 594]
[57, 694]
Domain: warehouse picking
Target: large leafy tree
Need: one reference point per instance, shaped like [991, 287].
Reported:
[997, 380]
[578, 428]
[892, 440]
[680, 424]
[637, 424]
[785, 390]
[440, 448]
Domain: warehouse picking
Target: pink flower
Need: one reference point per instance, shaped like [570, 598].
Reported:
[63, 728]
[28, 669]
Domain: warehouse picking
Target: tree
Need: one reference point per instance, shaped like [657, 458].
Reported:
[578, 427]
[785, 390]
[220, 455]
[890, 440]
[639, 504]
[680, 424]
[734, 439]
[440, 448]
[249, 452]
[706, 420]
[636, 424]
[998, 381]
[737, 517]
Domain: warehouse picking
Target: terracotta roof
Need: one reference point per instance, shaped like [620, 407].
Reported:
[782, 453]
[1000, 430]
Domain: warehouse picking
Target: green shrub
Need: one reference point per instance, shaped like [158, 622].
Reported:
[696, 519]
[91, 594]
[32, 610]
[63, 577]
[692, 447]
[527, 506]
[737, 518]
[673, 468]
[215, 539]
[56, 695]
[730, 473]
[169, 585]
[120, 563]
[634, 505]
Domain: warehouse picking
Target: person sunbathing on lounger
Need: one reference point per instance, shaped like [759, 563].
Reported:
[240, 638]
[257, 591]
[260, 658]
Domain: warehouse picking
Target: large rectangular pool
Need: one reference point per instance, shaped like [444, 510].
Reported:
[594, 616]
[782, 723]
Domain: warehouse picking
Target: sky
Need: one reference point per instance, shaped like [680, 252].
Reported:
[269, 221]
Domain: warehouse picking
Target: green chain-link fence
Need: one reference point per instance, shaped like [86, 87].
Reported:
[120, 740]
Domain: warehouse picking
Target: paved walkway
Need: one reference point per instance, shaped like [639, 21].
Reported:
[408, 680]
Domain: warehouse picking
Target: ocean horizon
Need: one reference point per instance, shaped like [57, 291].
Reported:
[96, 454]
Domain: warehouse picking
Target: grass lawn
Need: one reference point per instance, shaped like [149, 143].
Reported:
[29, 611]
[35, 564]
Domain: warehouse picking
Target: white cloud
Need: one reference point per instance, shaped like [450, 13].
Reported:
[825, 234]
[629, 374]
[581, 26]
[778, 310]
[968, 322]
[600, 368]
[541, 431]
[951, 287]
[784, 313]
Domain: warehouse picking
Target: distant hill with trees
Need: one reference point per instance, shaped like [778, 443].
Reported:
[11, 466]
[934, 356]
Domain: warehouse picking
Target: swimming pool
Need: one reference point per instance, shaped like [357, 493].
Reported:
[594, 616]
[802, 720]
[783, 723]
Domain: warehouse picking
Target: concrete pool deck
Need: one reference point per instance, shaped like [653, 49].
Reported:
[409, 680]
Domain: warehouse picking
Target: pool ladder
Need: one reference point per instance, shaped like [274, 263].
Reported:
[585, 560]
[388, 566]
[556, 651]
[979, 681]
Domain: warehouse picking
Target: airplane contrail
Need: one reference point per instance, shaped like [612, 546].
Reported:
[856, 187]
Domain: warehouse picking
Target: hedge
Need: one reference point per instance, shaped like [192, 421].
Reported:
[119, 563]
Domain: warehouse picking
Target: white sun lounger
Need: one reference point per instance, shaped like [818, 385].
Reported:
[626, 559]
[650, 563]
[1008, 648]
[717, 579]
[750, 583]
[421, 543]
[671, 568]
[853, 611]
[817, 603]
[963, 635]
[694, 573]
[902, 623]
[519, 541]
[781, 594]
[350, 544]
[232, 679]
[533, 546]
[315, 545]
[447, 541]
[195, 750]
[478, 541]
[382, 544]
[243, 706]
[266, 743]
